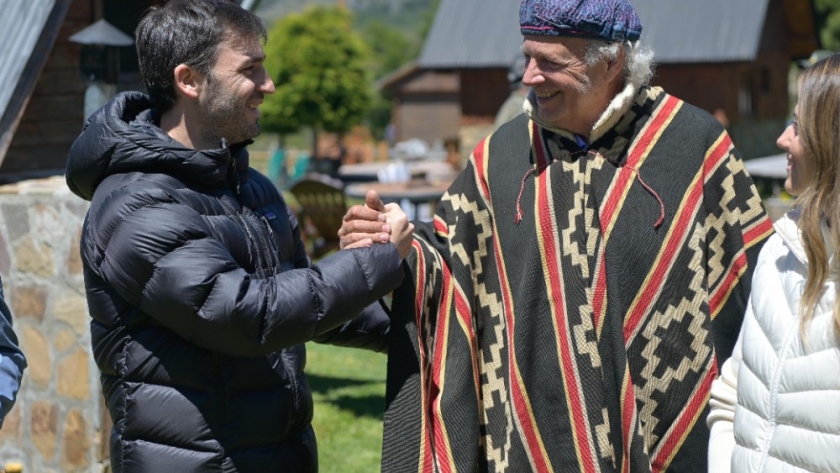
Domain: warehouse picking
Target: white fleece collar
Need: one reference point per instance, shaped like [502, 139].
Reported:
[616, 109]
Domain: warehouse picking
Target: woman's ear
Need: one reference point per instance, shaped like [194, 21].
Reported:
[187, 81]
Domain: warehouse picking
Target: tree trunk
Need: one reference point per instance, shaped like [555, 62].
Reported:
[314, 142]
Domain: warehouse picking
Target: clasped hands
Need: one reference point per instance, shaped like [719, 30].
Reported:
[376, 222]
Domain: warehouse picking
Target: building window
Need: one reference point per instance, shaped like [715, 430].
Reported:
[765, 80]
[745, 95]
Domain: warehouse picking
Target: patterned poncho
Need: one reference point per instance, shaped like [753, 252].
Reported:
[569, 306]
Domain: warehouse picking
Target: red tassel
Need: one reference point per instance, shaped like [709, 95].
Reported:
[519, 213]
[653, 193]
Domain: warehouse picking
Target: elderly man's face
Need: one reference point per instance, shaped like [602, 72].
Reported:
[570, 94]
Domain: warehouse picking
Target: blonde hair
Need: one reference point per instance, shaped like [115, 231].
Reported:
[819, 134]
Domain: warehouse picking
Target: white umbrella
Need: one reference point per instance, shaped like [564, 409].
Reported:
[774, 167]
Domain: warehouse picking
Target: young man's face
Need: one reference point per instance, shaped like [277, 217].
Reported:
[570, 94]
[233, 91]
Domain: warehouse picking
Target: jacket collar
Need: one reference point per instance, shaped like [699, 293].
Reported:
[617, 108]
[787, 227]
[124, 136]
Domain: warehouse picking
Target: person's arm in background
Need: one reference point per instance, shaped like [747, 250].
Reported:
[738, 227]
[12, 361]
[368, 331]
[721, 420]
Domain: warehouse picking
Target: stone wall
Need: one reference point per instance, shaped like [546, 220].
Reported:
[57, 421]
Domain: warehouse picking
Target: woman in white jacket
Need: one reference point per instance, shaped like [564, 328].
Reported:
[776, 405]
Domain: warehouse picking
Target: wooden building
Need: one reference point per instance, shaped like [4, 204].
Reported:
[46, 113]
[729, 57]
[41, 84]
[427, 103]
[739, 67]
[41, 112]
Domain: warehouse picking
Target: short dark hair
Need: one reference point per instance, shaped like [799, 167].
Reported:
[187, 32]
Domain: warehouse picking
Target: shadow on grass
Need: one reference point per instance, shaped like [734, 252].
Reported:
[367, 405]
[324, 384]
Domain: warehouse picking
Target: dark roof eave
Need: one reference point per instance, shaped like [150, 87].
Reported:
[393, 78]
[10, 117]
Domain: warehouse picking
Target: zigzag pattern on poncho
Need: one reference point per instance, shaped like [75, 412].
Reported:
[586, 336]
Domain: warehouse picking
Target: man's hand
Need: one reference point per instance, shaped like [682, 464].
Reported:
[376, 222]
[365, 224]
[402, 231]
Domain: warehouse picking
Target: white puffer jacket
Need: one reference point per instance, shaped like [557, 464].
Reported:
[788, 393]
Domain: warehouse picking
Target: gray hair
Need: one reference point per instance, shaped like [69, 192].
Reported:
[638, 61]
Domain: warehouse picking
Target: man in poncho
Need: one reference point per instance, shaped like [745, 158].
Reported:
[583, 278]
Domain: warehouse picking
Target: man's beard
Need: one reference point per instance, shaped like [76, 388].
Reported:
[224, 115]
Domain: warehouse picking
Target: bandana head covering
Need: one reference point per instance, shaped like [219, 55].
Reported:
[606, 20]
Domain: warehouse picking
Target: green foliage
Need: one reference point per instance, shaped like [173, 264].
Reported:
[320, 69]
[348, 387]
[428, 18]
[407, 16]
[395, 40]
[828, 21]
[393, 30]
[391, 47]
[380, 115]
[830, 33]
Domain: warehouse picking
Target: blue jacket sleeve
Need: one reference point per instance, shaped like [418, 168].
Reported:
[12, 361]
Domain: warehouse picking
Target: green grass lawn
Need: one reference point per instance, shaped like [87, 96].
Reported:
[348, 387]
[349, 391]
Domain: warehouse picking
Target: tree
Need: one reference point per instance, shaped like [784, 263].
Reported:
[828, 20]
[391, 48]
[319, 67]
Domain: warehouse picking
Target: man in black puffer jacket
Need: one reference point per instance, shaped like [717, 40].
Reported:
[197, 282]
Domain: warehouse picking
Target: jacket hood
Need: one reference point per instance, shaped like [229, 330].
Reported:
[787, 227]
[123, 136]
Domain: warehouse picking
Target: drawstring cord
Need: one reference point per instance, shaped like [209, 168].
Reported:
[520, 213]
[653, 193]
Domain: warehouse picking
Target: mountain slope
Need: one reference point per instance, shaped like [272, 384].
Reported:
[407, 14]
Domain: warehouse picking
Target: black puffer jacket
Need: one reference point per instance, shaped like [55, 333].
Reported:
[202, 296]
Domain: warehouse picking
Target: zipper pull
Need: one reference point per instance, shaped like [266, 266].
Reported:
[267, 225]
[233, 176]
